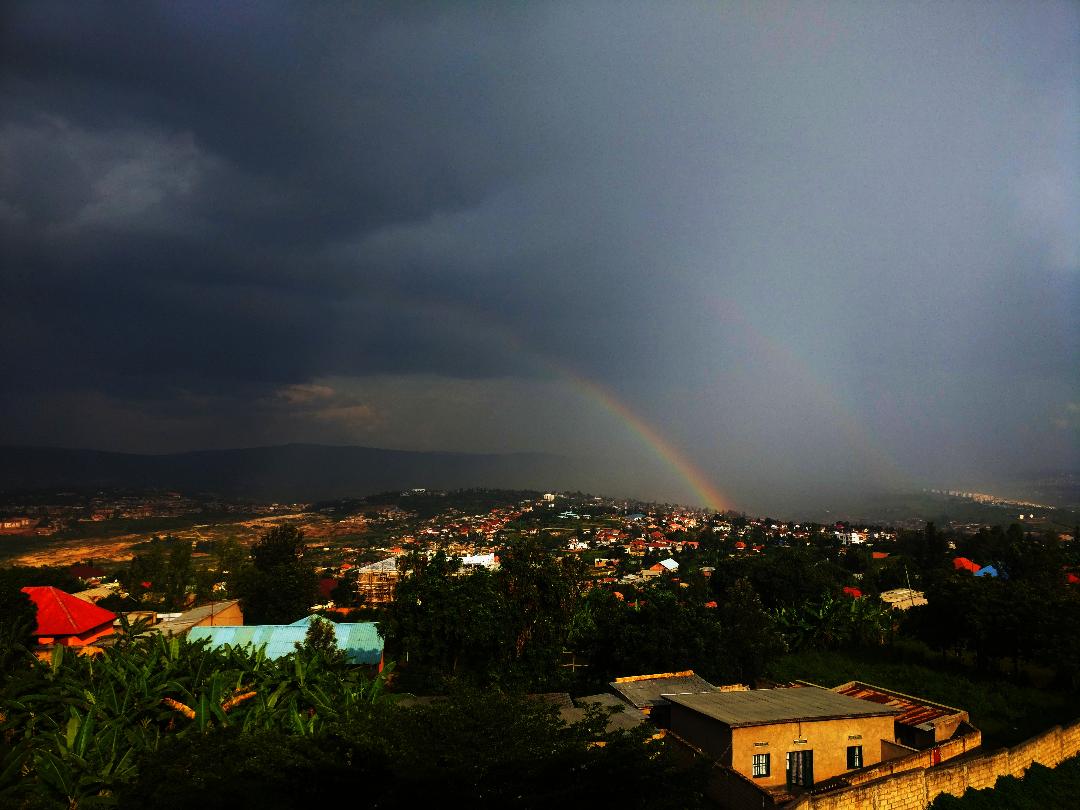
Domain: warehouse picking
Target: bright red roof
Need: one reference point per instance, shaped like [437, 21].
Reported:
[61, 614]
[854, 593]
[964, 564]
[880, 555]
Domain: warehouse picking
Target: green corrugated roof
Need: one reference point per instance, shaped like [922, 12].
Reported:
[360, 641]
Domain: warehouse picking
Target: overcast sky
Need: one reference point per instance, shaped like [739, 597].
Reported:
[807, 244]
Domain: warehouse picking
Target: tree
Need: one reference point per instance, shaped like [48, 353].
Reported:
[18, 617]
[507, 626]
[146, 574]
[540, 592]
[444, 622]
[476, 748]
[321, 640]
[751, 640]
[280, 585]
[179, 575]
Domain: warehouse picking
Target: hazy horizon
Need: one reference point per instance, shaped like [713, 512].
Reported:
[757, 254]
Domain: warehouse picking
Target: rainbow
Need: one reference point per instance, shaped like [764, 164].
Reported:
[690, 473]
[793, 366]
[651, 438]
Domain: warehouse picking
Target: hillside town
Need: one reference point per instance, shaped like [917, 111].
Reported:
[747, 593]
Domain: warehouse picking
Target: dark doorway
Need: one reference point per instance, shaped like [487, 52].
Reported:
[800, 768]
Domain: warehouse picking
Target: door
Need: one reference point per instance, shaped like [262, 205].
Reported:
[800, 768]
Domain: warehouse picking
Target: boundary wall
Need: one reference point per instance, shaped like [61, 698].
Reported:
[917, 786]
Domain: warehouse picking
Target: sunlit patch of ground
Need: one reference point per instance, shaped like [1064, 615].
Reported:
[119, 548]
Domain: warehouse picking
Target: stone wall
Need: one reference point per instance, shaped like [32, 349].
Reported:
[916, 788]
[967, 740]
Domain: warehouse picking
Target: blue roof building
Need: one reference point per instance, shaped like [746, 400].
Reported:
[987, 571]
[360, 641]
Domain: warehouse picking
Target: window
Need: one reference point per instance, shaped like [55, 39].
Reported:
[854, 756]
[761, 764]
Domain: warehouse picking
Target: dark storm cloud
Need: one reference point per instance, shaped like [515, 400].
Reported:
[795, 238]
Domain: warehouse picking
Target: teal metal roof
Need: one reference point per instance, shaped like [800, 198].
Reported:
[360, 641]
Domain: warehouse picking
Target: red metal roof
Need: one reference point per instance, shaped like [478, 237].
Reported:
[964, 564]
[912, 713]
[326, 586]
[61, 614]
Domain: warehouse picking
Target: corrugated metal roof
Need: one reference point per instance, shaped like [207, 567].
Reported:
[757, 707]
[61, 614]
[174, 624]
[912, 712]
[642, 692]
[360, 641]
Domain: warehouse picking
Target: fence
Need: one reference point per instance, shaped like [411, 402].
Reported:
[916, 787]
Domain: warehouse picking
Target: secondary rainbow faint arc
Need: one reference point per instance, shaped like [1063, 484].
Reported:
[798, 369]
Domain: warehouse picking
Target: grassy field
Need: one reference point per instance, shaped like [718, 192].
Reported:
[1005, 712]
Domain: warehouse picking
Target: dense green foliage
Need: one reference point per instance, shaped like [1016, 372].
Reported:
[474, 748]
[17, 622]
[664, 629]
[996, 621]
[165, 722]
[1005, 712]
[506, 626]
[1040, 788]
[279, 585]
[75, 727]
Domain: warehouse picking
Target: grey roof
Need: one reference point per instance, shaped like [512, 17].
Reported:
[623, 717]
[651, 691]
[758, 707]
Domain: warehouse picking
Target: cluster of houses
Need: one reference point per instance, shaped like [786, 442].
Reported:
[771, 746]
[67, 620]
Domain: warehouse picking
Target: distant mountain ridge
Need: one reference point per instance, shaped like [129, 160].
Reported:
[291, 472]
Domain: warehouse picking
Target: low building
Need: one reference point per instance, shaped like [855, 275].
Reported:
[66, 620]
[17, 525]
[920, 724]
[360, 641]
[226, 613]
[793, 736]
[86, 571]
[488, 561]
[903, 598]
[98, 592]
[650, 694]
